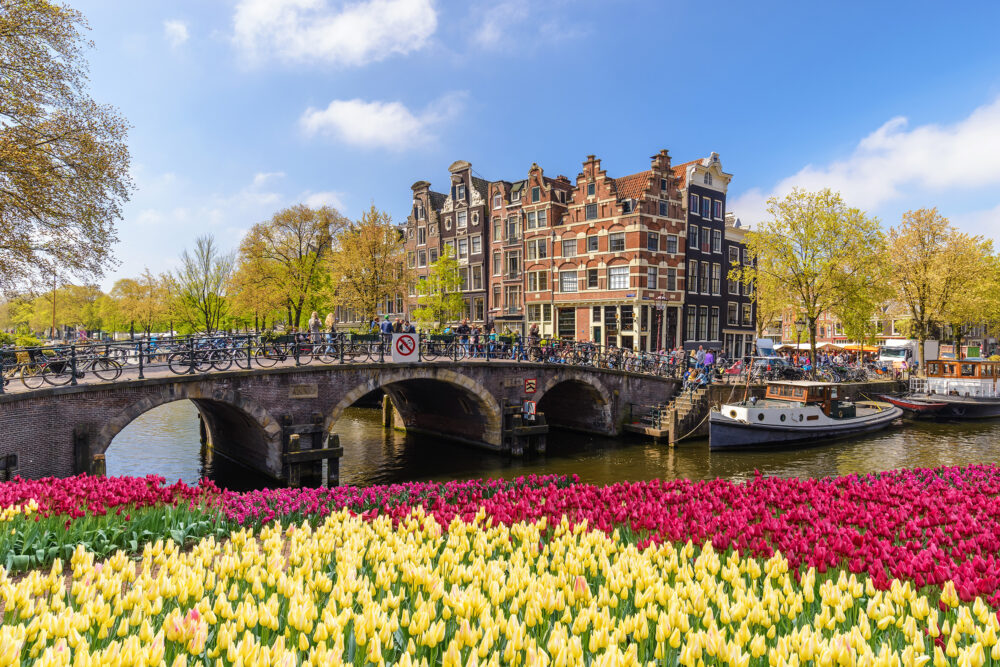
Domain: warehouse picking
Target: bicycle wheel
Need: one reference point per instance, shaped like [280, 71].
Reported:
[239, 357]
[106, 369]
[57, 374]
[31, 376]
[179, 363]
[265, 357]
[221, 360]
[327, 353]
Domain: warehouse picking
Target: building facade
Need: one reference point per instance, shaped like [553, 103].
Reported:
[455, 222]
[709, 295]
[739, 325]
[617, 258]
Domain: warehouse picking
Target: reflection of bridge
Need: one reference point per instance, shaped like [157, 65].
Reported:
[253, 416]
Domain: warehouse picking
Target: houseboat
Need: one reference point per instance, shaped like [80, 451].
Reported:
[795, 413]
[967, 388]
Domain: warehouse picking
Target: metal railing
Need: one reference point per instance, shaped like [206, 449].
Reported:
[32, 368]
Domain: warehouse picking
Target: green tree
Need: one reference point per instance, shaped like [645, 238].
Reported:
[439, 297]
[64, 165]
[285, 258]
[368, 264]
[933, 268]
[198, 288]
[825, 254]
[142, 301]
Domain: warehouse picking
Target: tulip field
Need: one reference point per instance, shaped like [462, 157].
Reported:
[893, 568]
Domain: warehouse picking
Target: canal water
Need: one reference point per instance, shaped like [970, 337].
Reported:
[165, 441]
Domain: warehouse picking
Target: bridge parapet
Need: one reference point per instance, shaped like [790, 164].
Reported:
[59, 430]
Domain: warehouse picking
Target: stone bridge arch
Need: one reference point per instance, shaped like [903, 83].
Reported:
[579, 401]
[437, 400]
[236, 424]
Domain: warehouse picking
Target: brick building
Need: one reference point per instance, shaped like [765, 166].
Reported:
[455, 221]
[617, 255]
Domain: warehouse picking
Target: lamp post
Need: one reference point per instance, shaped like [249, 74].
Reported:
[800, 326]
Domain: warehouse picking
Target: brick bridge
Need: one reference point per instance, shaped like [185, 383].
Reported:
[252, 416]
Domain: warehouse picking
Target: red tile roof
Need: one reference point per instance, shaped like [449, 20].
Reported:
[680, 171]
[633, 185]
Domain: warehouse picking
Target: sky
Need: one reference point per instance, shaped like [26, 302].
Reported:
[242, 107]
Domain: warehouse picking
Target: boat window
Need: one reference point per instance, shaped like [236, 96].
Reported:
[833, 392]
[968, 370]
[797, 392]
[932, 368]
[987, 370]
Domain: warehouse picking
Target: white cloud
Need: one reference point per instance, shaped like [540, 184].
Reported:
[175, 32]
[326, 198]
[349, 34]
[262, 178]
[498, 20]
[982, 223]
[379, 124]
[896, 162]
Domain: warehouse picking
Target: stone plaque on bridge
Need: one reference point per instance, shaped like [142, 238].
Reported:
[303, 391]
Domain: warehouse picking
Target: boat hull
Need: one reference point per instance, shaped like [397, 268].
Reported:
[965, 407]
[730, 434]
[915, 407]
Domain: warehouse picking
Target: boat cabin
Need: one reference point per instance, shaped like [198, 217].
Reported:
[965, 368]
[962, 377]
[823, 394]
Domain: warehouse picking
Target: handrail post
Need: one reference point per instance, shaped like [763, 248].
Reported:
[141, 376]
[295, 348]
[249, 352]
[381, 347]
[190, 343]
[72, 364]
[340, 347]
[418, 347]
[454, 348]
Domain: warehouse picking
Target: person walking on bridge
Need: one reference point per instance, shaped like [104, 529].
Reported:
[314, 326]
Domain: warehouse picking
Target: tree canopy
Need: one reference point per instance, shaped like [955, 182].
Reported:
[368, 264]
[823, 254]
[64, 165]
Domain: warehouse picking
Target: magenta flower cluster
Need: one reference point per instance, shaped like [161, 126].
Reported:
[926, 526]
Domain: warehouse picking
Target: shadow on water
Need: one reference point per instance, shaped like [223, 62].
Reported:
[165, 441]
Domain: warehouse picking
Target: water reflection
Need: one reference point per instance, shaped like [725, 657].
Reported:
[165, 441]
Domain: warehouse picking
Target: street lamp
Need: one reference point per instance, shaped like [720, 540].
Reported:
[800, 326]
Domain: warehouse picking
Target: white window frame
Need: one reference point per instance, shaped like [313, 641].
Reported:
[570, 244]
[569, 278]
[717, 209]
[497, 201]
[616, 274]
[462, 219]
[706, 208]
[651, 277]
[616, 236]
[672, 242]
[694, 204]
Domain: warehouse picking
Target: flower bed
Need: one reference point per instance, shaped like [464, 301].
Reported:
[928, 527]
[408, 592]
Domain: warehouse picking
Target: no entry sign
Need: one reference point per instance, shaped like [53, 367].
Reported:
[404, 347]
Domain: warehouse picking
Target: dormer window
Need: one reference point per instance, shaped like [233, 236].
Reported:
[628, 205]
[418, 210]
[497, 200]
[460, 192]
[515, 196]
[708, 178]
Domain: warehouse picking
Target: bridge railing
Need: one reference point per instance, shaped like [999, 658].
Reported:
[30, 368]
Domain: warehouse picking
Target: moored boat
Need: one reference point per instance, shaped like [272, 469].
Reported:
[967, 388]
[795, 413]
[915, 407]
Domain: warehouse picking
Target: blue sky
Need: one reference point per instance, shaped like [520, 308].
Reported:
[242, 107]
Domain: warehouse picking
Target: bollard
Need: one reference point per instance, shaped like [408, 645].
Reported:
[72, 364]
[293, 468]
[333, 462]
[141, 364]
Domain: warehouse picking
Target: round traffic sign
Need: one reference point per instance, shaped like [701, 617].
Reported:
[405, 345]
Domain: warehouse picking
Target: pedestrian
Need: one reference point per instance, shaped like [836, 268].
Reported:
[463, 332]
[475, 340]
[700, 357]
[397, 326]
[709, 363]
[409, 327]
[314, 326]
